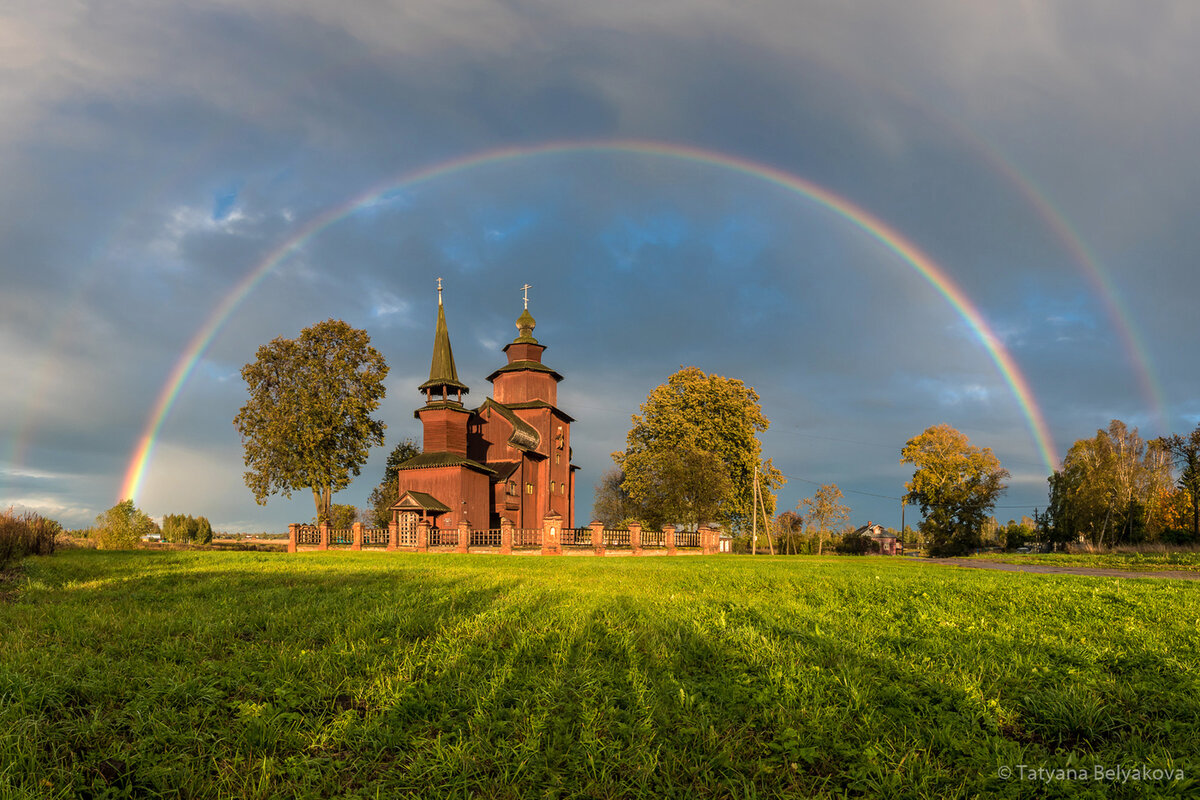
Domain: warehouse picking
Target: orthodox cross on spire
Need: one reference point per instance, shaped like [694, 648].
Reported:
[439, 291]
[525, 291]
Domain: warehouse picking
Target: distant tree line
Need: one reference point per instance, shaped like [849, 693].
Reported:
[186, 529]
[1117, 488]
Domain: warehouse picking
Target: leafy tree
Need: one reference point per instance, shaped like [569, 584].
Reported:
[342, 515]
[823, 512]
[1112, 488]
[1016, 534]
[1185, 452]
[681, 485]
[701, 413]
[385, 495]
[956, 486]
[307, 424]
[612, 505]
[204, 531]
[178, 528]
[791, 528]
[122, 527]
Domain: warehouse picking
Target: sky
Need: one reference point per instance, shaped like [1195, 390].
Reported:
[881, 216]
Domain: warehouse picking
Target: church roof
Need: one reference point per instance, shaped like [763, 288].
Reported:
[518, 366]
[504, 469]
[540, 404]
[524, 435]
[440, 458]
[421, 500]
[441, 368]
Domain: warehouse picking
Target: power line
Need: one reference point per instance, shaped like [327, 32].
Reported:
[886, 496]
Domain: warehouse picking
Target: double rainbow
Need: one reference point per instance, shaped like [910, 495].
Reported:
[862, 219]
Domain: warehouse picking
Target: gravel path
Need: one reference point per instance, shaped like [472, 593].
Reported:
[971, 563]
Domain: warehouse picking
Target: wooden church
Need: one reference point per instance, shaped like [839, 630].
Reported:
[508, 458]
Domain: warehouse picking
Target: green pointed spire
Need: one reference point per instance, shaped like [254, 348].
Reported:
[442, 372]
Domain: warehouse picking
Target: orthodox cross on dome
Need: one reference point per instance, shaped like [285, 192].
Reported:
[525, 291]
[439, 291]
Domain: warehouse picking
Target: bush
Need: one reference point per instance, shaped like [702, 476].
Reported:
[855, 544]
[122, 527]
[25, 534]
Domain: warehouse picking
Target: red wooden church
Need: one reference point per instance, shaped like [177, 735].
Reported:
[510, 457]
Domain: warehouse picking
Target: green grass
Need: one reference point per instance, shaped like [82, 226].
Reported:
[1161, 561]
[255, 675]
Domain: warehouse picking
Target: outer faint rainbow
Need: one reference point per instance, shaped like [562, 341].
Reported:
[863, 219]
[1117, 310]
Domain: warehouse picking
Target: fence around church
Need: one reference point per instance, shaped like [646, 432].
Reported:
[550, 539]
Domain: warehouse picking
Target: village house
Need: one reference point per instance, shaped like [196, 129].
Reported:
[883, 543]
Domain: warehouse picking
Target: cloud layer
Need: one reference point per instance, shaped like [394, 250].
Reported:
[155, 154]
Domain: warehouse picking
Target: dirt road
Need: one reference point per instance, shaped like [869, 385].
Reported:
[972, 563]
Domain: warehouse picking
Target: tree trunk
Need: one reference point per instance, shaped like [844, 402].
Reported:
[323, 499]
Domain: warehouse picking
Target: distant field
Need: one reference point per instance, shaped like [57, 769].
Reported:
[259, 675]
[1141, 562]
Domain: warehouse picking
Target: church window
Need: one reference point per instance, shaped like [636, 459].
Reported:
[553, 487]
[529, 488]
[511, 489]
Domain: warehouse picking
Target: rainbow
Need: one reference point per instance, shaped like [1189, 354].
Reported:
[1115, 307]
[864, 220]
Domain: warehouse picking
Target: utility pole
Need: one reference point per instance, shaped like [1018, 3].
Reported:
[766, 520]
[754, 518]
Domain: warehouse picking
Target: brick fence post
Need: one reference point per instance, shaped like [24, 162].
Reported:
[635, 538]
[464, 536]
[324, 528]
[293, 534]
[597, 537]
[357, 530]
[552, 534]
[506, 536]
[423, 535]
[393, 530]
[708, 540]
[669, 539]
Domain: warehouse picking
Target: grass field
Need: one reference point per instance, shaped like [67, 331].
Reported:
[256, 675]
[1187, 560]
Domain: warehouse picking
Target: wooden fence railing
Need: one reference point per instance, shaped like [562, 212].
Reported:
[527, 537]
[443, 537]
[577, 537]
[488, 538]
[616, 537]
[550, 539]
[375, 537]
